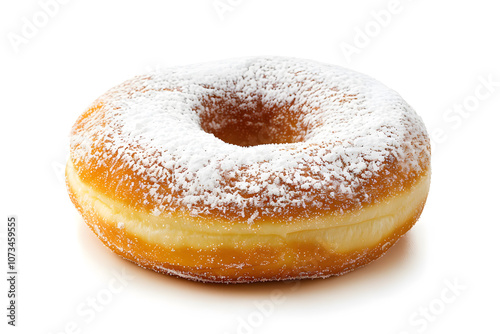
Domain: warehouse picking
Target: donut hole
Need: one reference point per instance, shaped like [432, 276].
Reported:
[250, 121]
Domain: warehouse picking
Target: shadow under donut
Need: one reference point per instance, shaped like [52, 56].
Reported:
[396, 262]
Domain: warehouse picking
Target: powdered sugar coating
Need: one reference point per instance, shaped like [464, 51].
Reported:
[349, 127]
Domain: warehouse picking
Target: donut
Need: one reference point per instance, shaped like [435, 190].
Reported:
[249, 169]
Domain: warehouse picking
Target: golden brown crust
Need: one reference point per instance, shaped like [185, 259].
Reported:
[307, 261]
[254, 261]
[324, 200]
[125, 185]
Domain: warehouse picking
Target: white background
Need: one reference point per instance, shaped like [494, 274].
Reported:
[437, 55]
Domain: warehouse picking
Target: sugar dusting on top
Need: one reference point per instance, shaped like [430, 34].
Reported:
[352, 126]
